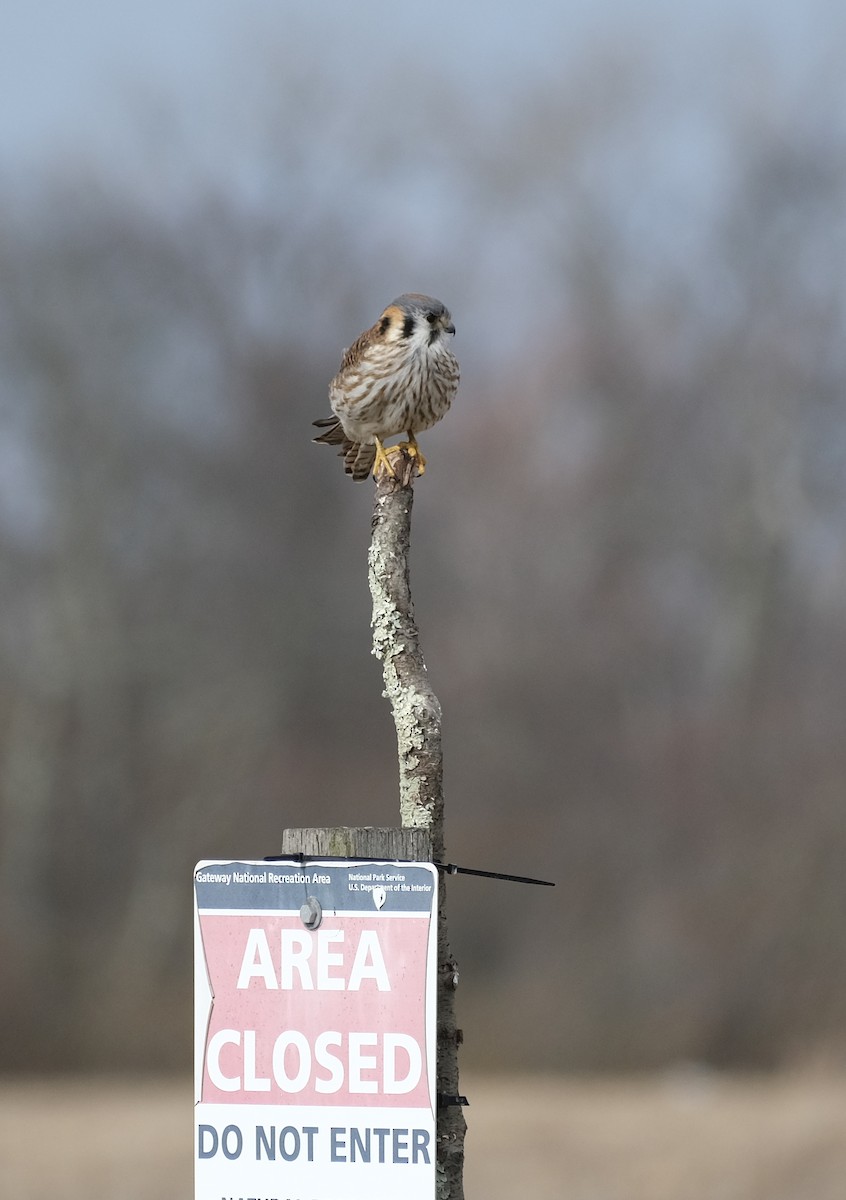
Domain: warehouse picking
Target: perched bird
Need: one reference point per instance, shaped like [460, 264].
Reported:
[399, 376]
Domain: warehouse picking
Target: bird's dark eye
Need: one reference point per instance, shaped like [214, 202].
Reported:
[408, 327]
[432, 318]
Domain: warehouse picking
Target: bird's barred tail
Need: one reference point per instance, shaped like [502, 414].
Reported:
[334, 435]
[358, 457]
[358, 460]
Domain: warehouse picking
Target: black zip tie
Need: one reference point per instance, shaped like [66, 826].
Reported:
[448, 868]
[452, 869]
[452, 1101]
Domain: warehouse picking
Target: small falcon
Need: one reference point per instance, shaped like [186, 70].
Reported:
[399, 376]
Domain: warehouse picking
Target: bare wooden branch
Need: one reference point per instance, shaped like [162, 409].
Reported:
[396, 643]
[417, 717]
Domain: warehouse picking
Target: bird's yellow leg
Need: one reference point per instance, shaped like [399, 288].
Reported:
[382, 460]
[413, 451]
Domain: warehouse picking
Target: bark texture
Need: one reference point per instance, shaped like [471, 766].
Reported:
[396, 643]
[365, 841]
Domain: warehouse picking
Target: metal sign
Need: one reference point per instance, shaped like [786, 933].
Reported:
[315, 1030]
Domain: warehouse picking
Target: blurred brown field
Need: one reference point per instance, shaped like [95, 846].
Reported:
[685, 1135]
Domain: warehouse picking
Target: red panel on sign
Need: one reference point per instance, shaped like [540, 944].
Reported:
[316, 1016]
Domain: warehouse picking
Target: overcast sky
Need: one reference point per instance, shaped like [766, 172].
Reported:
[84, 77]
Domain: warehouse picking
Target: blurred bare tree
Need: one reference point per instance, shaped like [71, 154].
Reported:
[629, 564]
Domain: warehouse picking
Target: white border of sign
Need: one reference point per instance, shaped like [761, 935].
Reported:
[315, 1062]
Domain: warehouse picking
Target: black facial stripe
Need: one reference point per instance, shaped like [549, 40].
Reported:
[408, 327]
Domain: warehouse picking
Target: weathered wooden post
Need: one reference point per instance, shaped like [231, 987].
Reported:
[417, 716]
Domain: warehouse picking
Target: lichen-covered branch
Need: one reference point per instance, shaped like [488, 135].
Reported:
[396, 643]
[417, 716]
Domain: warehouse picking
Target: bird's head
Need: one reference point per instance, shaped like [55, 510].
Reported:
[416, 319]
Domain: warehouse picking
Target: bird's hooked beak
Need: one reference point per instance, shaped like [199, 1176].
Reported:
[449, 328]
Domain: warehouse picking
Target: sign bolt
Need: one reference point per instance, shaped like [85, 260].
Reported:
[311, 914]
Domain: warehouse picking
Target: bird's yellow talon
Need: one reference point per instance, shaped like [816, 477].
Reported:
[413, 451]
[382, 461]
[389, 459]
